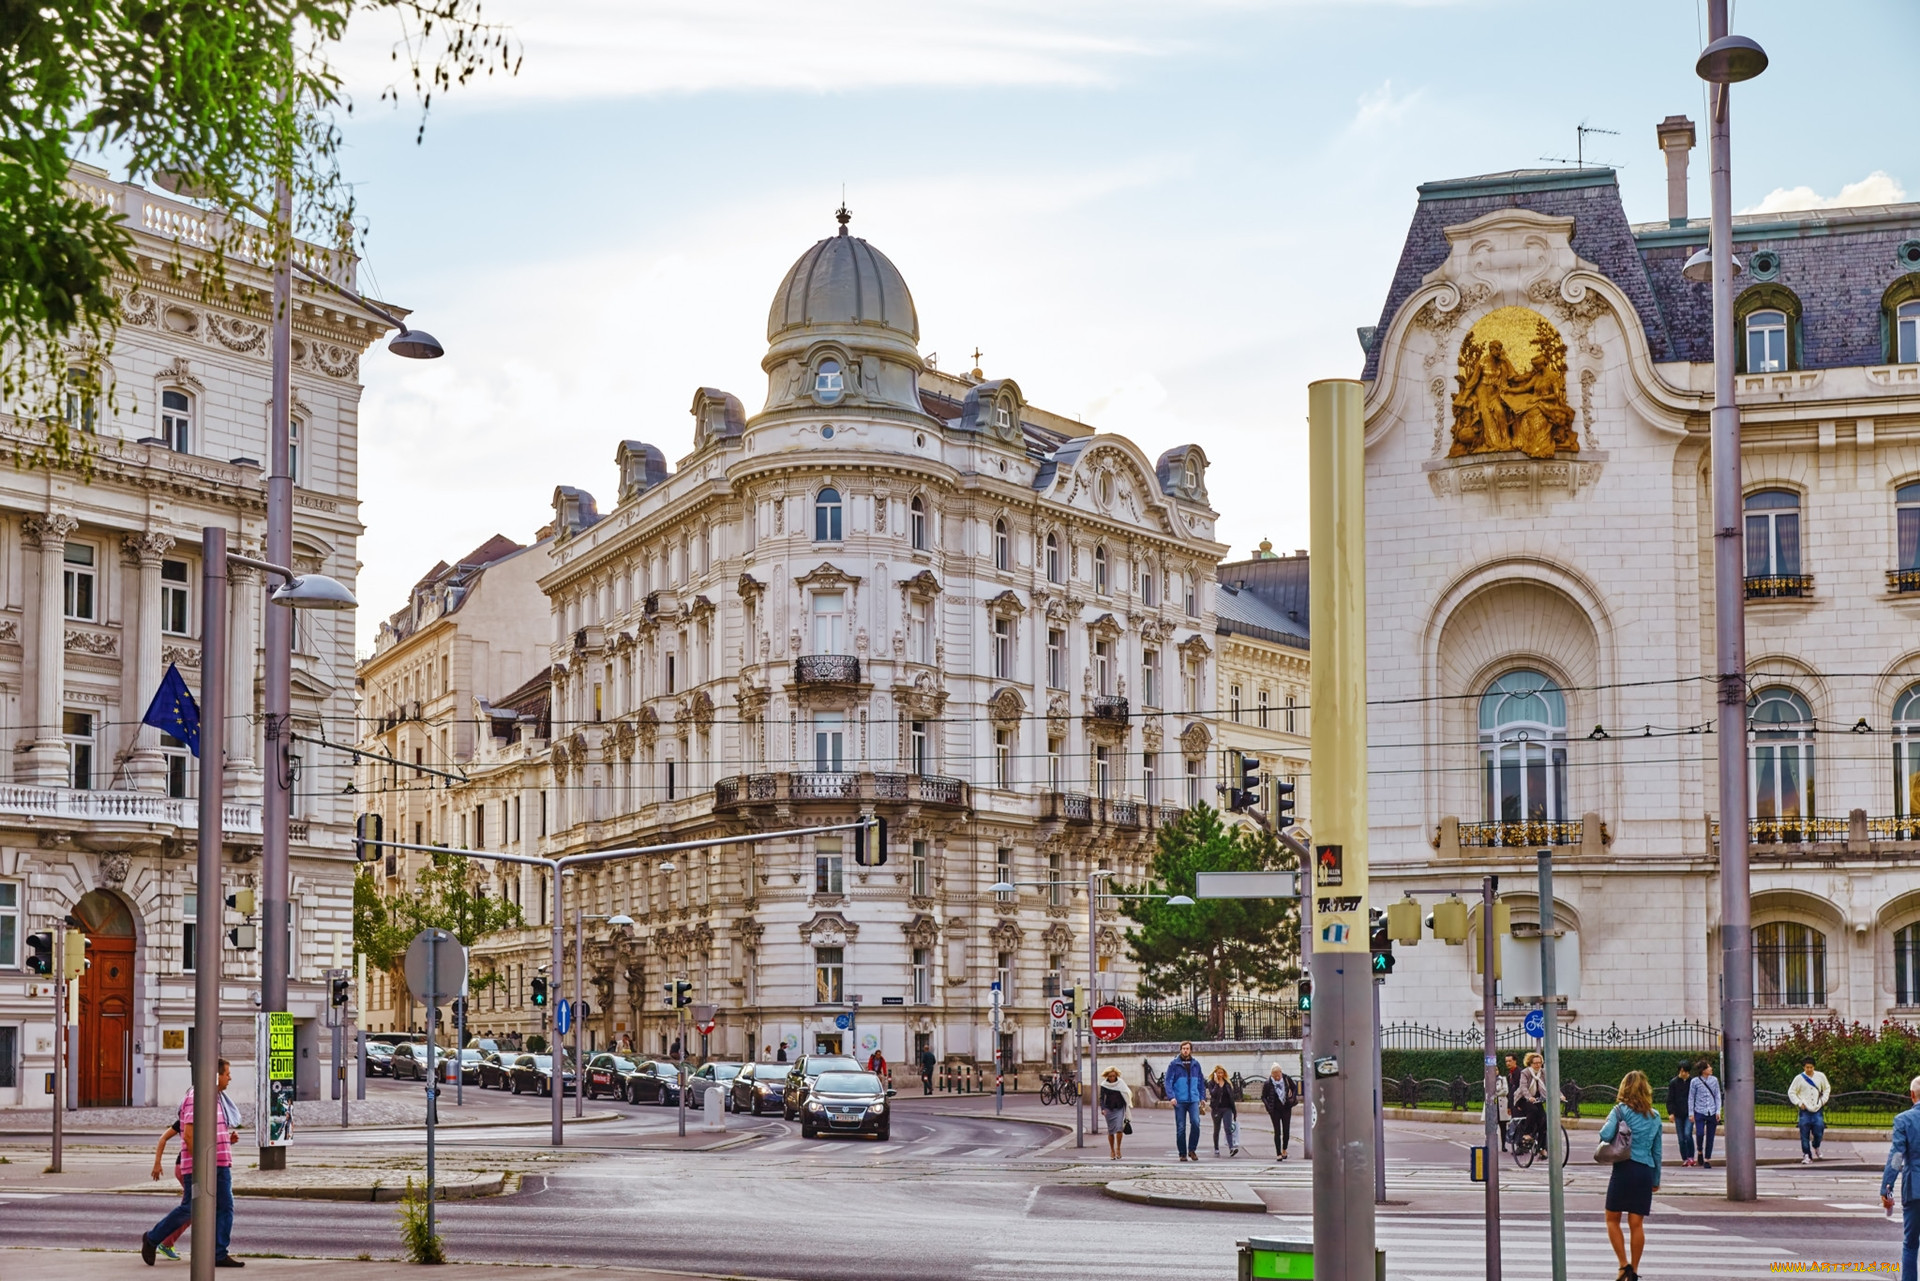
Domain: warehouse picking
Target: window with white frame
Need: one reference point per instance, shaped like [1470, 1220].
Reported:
[176, 599]
[829, 742]
[1056, 763]
[1906, 753]
[1150, 778]
[1907, 332]
[1100, 570]
[1053, 558]
[1233, 702]
[1193, 782]
[1780, 770]
[1906, 526]
[1003, 648]
[829, 975]
[1523, 750]
[1773, 533]
[1766, 341]
[77, 729]
[1103, 667]
[79, 583]
[1056, 658]
[176, 420]
[829, 622]
[1003, 758]
[1195, 683]
[1051, 983]
[1102, 770]
[1292, 711]
[828, 866]
[922, 976]
[920, 631]
[1056, 880]
[1149, 584]
[919, 746]
[1002, 546]
[917, 867]
[176, 758]
[1190, 597]
[294, 434]
[917, 523]
[826, 516]
[1906, 965]
[1003, 874]
[1789, 965]
[189, 929]
[1263, 709]
[1003, 975]
[9, 925]
[1150, 677]
[828, 382]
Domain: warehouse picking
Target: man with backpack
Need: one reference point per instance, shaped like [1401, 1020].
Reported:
[1279, 1094]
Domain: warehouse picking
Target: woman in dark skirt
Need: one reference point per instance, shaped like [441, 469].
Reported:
[1630, 1191]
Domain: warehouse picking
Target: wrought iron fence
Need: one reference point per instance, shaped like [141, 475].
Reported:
[1237, 1018]
[831, 669]
[1518, 835]
[1695, 1037]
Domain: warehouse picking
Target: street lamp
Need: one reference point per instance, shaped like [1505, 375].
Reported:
[1727, 60]
[299, 591]
[1094, 895]
[580, 918]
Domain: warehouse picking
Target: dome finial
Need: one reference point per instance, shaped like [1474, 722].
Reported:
[843, 215]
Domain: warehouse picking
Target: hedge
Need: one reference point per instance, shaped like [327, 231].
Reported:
[1588, 1067]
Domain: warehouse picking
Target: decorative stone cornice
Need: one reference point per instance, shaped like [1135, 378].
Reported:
[49, 532]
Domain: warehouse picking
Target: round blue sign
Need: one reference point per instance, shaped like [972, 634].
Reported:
[1536, 1023]
[843, 1021]
[563, 1016]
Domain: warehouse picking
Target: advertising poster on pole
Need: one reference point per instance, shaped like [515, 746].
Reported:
[273, 1081]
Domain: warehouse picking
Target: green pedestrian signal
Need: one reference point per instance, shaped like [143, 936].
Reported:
[1306, 995]
[539, 991]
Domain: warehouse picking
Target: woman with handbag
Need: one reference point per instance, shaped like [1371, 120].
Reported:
[1279, 1094]
[1630, 1142]
[1116, 1109]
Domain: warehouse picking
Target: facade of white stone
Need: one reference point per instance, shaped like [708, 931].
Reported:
[101, 593]
[1588, 571]
[891, 591]
[1265, 669]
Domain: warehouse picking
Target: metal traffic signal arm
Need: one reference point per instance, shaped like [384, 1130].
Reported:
[869, 842]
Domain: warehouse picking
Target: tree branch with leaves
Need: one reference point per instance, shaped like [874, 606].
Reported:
[447, 895]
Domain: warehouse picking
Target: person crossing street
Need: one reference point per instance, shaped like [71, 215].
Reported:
[1903, 1152]
[1810, 1092]
[926, 1069]
[1279, 1094]
[1704, 1100]
[1186, 1085]
[181, 1215]
[1677, 1110]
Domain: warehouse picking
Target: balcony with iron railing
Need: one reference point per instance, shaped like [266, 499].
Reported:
[1456, 839]
[1779, 586]
[1806, 836]
[798, 786]
[1110, 708]
[1903, 580]
[1080, 809]
[826, 669]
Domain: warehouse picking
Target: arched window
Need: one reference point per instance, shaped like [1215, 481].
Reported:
[1789, 965]
[1100, 570]
[828, 382]
[176, 420]
[1906, 332]
[1002, 548]
[826, 516]
[1523, 749]
[917, 523]
[1781, 769]
[1906, 965]
[1906, 759]
[1766, 341]
[1053, 558]
[1773, 535]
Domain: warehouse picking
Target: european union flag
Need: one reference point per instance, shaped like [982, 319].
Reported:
[174, 710]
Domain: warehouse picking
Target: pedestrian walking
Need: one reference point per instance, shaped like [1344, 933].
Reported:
[1902, 1155]
[1222, 1102]
[1810, 1092]
[165, 1246]
[1635, 1180]
[926, 1069]
[1116, 1109]
[182, 1215]
[782, 1056]
[1677, 1110]
[1279, 1094]
[1511, 1080]
[1704, 1101]
[1186, 1085]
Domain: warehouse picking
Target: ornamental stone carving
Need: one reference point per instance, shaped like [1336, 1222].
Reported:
[98, 644]
[1107, 941]
[114, 867]
[1006, 936]
[1006, 605]
[147, 548]
[1058, 938]
[829, 929]
[1512, 392]
[921, 931]
[1007, 708]
[1151, 735]
[1195, 739]
[49, 532]
[177, 655]
[1195, 647]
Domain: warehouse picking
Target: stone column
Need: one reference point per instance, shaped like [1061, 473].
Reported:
[46, 761]
[243, 777]
[143, 552]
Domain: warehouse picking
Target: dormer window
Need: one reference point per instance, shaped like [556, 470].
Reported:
[176, 421]
[1766, 341]
[1193, 476]
[1907, 333]
[1001, 418]
[828, 382]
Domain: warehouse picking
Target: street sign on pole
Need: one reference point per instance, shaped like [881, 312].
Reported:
[1246, 885]
[1536, 1023]
[705, 1029]
[563, 1017]
[448, 959]
[843, 1021]
[1108, 1023]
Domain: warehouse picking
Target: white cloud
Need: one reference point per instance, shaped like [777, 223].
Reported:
[1382, 109]
[1877, 188]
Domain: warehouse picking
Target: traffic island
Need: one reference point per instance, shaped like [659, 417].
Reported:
[350, 1184]
[1189, 1194]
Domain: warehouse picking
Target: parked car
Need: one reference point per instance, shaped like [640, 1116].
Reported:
[607, 1075]
[759, 1087]
[410, 1061]
[800, 1077]
[710, 1075]
[533, 1074]
[496, 1070]
[379, 1058]
[389, 1039]
[469, 1066]
[846, 1103]
[654, 1081]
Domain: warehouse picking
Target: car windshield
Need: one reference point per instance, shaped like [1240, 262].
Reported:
[848, 1083]
[542, 1061]
[725, 1071]
[379, 1049]
[473, 1056]
[816, 1066]
[619, 1064]
[665, 1069]
[770, 1071]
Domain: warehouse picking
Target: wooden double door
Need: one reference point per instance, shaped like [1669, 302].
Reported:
[105, 1066]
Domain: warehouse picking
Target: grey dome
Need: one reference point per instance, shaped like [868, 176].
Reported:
[843, 280]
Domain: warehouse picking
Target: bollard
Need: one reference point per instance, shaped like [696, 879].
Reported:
[715, 1109]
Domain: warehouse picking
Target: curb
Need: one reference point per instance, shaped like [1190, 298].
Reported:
[377, 1192]
[1235, 1197]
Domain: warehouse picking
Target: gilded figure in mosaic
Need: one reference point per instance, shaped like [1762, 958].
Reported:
[1500, 406]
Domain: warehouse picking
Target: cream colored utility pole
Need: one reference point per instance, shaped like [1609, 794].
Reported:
[1341, 1074]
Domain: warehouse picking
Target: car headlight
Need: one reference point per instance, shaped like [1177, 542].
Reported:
[877, 1109]
[813, 1105]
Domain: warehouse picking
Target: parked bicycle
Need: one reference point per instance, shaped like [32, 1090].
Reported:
[1058, 1087]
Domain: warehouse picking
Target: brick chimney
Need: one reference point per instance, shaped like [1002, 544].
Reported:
[1676, 139]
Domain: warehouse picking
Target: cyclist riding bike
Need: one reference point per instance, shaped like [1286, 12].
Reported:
[1529, 1102]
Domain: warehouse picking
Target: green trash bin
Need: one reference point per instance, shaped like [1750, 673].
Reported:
[1287, 1259]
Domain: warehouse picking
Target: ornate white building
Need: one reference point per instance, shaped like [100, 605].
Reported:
[890, 591]
[1540, 603]
[1265, 668]
[99, 594]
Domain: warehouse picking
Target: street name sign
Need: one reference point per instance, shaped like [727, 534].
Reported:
[1246, 885]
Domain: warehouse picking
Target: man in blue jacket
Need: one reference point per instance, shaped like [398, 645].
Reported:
[1187, 1087]
[1900, 1158]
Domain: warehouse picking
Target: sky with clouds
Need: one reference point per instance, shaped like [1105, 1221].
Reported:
[1165, 219]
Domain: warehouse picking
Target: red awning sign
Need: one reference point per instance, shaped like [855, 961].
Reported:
[1108, 1022]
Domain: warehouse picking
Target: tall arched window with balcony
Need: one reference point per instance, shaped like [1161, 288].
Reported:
[1773, 544]
[1523, 749]
[1906, 762]
[1002, 546]
[826, 516]
[1780, 767]
[917, 523]
[1789, 965]
[1906, 539]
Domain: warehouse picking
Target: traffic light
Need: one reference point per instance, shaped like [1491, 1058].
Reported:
[339, 990]
[1243, 793]
[679, 993]
[1403, 921]
[241, 936]
[1282, 805]
[76, 958]
[1075, 1001]
[241, 901]
[368, 830]
[40, 953]
[539, 991]
[1381, 941]
[870, 842]
[1449, 920]
[1306, 993]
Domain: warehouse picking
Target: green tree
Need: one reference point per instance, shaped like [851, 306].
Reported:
[1216, 946]
[446, 895]
[238, 95]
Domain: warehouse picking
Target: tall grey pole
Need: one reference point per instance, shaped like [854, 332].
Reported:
[1490, 1105]
[433, 1068]
[208, 900]
[681, 1093]
[1093, 997]
[1379, 1109]
[1730, 662]
[277, 807]
[459, 1048]
[1306, 1016]
[1550, 1002]
[579, 992]
[61, 1063]
[559, 1078]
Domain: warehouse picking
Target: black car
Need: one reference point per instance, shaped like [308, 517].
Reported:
[800, 1078]
[469, 1065]
[379, 1058]
[607, 1075]
[846, 1103]
[533, 1074]
[496, 1070]
[709, 1076]
[654, 1081]
[759, 1087]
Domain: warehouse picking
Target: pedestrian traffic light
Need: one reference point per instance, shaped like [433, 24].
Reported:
[241, 936]
[40, 953]
[679, 993]
[241, 901]
[1282, 805]
[1381, 941]
[1243, 792]
[539, 991]
[870, 842]
[368, 830]
[1306, 993]
[338, 990]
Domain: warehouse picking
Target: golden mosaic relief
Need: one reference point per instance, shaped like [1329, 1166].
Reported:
[1513, 388]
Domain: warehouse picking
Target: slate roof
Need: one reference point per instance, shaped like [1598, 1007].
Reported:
[1264, 599]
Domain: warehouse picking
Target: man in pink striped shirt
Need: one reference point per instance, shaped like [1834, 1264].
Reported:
[182, 1214]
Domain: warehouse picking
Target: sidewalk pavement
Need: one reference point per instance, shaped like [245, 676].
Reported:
[101, 1265]
[131, 1174]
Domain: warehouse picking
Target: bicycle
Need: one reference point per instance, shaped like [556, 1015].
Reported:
[1058, 1088]
[1530, 1144]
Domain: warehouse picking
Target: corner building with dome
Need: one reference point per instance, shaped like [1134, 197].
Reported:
[890, 591]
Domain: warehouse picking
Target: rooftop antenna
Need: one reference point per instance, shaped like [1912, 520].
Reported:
[1580, 132]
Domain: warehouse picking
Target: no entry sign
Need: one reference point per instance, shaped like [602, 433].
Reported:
[1108, 1023]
